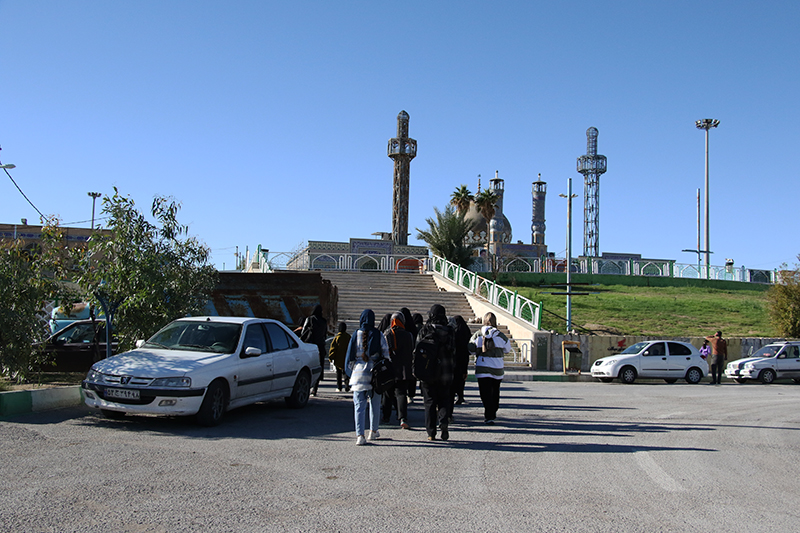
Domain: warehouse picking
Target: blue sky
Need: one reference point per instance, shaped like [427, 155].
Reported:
[269, 121]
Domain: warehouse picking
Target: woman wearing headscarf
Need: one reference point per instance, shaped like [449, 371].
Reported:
[315, 328]
[366, 346]
[436, 392]
[462, 336]
[401, 346]
[338, 354]
[489, 345]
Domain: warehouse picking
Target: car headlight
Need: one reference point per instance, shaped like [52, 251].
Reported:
[610, 361]
[95, 376]
[172, 382]
[749, 366]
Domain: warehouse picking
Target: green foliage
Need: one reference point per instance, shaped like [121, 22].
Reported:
[146, 273]
[784, 303]
[485, 203]
[461, 199]
[29, 280]
[659, 311]
[445, 236]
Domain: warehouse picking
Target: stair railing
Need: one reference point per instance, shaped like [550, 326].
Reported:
[496, 295]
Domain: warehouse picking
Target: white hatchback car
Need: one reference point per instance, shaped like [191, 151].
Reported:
[670, 360]
[773, 361]
[205, 366]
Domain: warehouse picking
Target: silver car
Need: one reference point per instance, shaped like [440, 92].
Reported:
[204, 366]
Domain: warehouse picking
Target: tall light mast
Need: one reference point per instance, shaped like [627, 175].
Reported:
[591, 166]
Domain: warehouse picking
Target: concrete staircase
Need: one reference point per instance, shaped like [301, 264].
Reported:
[387, 292]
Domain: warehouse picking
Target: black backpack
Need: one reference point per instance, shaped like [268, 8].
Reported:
[382, 375]
[426, 361]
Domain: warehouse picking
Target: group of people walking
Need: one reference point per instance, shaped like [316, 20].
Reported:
[434, 353]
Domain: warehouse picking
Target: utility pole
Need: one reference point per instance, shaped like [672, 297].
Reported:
[569, 196]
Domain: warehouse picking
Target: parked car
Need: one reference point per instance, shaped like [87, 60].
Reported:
[205, 366]
[670, 360]
[76, 347]
[773, 361]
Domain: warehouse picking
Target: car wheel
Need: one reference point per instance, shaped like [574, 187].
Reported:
[627, 375]
[113, 415]
[739, 380]
[670, 380]
[693, 376]
[606, 380]
[301, 391]
[214, 404]
[767, 376]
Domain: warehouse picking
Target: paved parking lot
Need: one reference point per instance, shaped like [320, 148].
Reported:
[563, 457]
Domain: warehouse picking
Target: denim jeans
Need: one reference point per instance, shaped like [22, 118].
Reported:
[360, 400]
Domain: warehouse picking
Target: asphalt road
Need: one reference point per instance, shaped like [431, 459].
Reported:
[563, 457]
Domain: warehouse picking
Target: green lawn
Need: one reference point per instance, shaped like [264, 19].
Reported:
[659, 311]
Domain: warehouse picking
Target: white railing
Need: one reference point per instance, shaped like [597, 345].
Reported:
[509, 301]
[264, 261]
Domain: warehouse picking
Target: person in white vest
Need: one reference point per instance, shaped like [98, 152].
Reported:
[489, 346]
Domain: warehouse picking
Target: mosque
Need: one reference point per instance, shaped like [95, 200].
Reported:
[391, 251]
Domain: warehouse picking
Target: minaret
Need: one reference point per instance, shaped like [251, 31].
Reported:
[538, 192]
[402, 150]
[591, 166]
[496, 224]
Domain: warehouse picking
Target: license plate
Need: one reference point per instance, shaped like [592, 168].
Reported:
[124, 394]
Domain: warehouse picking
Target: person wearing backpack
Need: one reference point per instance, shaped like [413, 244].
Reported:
[315, 328]
[366, 346]
[401, 348]
[338, 354]
[489, 345]
[436, 345]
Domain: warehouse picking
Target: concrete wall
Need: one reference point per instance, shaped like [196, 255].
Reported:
[594, 347]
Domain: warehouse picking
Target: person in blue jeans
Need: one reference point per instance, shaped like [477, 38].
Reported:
[366, 346]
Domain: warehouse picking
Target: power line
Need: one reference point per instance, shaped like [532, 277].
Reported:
[23, 194]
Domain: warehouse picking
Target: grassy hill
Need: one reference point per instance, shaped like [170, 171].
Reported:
[659, 311]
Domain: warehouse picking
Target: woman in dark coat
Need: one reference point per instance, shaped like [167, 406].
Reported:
[315, 328]
[462, 336]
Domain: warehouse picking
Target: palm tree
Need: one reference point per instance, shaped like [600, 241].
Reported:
[445, 236]
[485, 202]
[461, 199]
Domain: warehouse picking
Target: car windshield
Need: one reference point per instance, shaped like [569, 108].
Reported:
[635, 348]
[768, 351]
[217, 337]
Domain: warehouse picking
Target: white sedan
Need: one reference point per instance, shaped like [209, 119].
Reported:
[204, 366]
[670, 360]
[773, 361]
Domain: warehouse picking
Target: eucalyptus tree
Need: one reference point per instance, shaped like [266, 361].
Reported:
[31, 277]
[145, 273]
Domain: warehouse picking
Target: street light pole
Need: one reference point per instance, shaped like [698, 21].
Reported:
[569, 196]
[707, 124]
[95, 196]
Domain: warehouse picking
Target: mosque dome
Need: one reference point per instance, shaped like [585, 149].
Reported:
[479, 232]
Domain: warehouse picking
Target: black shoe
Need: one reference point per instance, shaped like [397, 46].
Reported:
[445, 434]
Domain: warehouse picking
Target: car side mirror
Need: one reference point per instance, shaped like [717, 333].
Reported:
[139, 343]
[252, 351]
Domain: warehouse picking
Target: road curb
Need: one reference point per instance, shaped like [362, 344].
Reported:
[14, 403]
